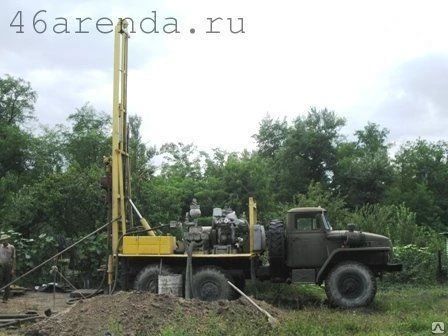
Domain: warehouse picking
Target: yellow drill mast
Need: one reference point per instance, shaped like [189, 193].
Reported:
[119, 161]
[119, 157]
[119, 132]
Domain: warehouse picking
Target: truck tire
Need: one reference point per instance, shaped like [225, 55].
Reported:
[210, 284]
[277, 248]
[148, 278]
[350, 284]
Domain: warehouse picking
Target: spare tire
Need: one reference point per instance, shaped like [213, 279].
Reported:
[277, 248]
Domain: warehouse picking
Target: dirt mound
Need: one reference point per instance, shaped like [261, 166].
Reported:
[141, 313]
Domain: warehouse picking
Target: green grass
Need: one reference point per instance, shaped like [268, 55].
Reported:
[396, 311]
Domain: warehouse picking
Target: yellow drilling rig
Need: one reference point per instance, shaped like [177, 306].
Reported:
[215, 253]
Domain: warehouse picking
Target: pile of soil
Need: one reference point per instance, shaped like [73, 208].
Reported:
[139, 313]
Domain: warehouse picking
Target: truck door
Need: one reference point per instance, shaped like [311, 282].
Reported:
[306, 241]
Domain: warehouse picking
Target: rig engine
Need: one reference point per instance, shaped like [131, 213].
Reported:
[227, 234]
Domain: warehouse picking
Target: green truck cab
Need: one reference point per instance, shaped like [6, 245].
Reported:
[306, 249]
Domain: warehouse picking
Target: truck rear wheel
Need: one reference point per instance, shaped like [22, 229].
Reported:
[210, 284]
[350, 284]
[148, 278]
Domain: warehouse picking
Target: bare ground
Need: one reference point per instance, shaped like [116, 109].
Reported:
[32, 302]
[123, 313]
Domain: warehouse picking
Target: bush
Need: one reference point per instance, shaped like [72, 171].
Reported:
[419, 265]
[84, 259]
[398, 223]
[30, 253]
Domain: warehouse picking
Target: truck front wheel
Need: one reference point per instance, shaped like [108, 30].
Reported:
[350, 284]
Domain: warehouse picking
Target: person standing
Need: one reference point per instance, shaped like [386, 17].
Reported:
[7, 264]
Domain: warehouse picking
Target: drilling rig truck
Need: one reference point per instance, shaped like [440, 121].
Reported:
[301, 248]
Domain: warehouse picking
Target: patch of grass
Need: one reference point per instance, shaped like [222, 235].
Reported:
[115, 327]
[214, 325]
[182, 325]
[285, 296]
[408, 311]
[396, 311]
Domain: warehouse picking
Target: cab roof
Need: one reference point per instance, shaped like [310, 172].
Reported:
[306, 209]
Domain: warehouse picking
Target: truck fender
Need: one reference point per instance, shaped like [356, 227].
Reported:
[338, 255]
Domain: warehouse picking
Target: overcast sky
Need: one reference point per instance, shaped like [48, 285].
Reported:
[379, 61]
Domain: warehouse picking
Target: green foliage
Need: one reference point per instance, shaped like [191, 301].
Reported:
[181, 160]
[228, 180]
[89, 140]
[17, 100]
[47, 153]
[414, 246]
[309, 152]
[423, 181]
[58, 204]
[364, 168]
[49, 183]
[419, 265]
[244, 176]
[8, 185]
[169, 207]
[91, 254]
[31, 253]
[14, 146]
[271, 136]
[140, 155]
[398, 223]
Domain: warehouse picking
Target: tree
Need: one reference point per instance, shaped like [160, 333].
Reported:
[422, 181]
[140, 154]
[364, 170]
[63, 170]
[14, 149]
[70, 203]
[17, 100]
[245, 175]
[16, 107]
[141, 168]
[47, 153]
[168, 196]
[181, 160]
[271, 136]
[308, 153]
[89, 139]
[372, 138]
